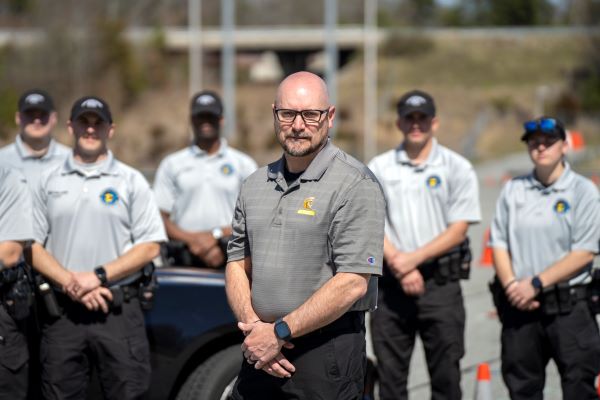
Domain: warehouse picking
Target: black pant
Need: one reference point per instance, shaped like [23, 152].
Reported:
[114, 343]
[330, 365]
[14, 357]
[438, 316]
[530, 340]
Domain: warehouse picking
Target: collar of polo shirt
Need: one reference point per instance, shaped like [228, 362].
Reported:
[23, 153]
[315, 169]
[432, 159]
[560, 185]
[106, 167]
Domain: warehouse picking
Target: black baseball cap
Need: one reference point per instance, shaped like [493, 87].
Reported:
[206, 102]
[36, 99]
[91, 104]
[416, 101]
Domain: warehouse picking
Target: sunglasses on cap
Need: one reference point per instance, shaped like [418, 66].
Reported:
[544, 125]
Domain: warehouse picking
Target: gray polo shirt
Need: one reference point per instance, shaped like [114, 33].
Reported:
[423, 200]
[539, 225]
[330, 220]
[199, 190]
[16, 155]
[15, 206]
[89, 217]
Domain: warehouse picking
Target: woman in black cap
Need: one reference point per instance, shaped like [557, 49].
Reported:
[544, 236]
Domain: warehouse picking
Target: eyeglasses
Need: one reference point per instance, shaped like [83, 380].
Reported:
[545, 125]
[308, 116]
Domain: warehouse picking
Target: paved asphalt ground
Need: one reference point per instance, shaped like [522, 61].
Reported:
[482, 327]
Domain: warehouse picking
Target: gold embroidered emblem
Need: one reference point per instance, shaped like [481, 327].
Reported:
[307, 207]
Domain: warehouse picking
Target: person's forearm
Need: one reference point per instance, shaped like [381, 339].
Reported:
[566, 267]
[45, 264]
[453, 236]
[328, 303]
[131, 261]
[174, 232]
[237, 286]
[10, 252]
[503, 266]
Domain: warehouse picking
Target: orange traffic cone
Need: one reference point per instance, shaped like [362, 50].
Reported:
[575, 140]
[486, 259]
[483, 386]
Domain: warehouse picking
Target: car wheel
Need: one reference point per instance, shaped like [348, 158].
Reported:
[214, 378]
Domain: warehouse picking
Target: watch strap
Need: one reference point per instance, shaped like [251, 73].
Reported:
[101, 274]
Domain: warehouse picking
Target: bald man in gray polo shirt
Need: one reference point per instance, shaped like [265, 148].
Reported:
[34, 149]
[196, 187]
[432, 197]
[96, 218]
[15, 230]
[306, 249]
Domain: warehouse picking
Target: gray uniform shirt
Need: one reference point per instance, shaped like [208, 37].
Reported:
[199, 190]
[15, 206]
[16, 155]
[539, 225]
[88, 218]
[422, 200]
[330, 220]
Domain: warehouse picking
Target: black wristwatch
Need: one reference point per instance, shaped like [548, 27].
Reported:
[537, 283]
[282, 330]
[101, 274]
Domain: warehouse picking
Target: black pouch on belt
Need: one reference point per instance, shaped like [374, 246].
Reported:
[549, 301]
[19, 298]
[565, 302]
[593, 292]
[441, 272]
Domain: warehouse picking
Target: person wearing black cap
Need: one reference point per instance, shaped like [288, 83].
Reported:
[196, 188]
[432, 198]
[544, 236]
[34, 149]
[96, 218]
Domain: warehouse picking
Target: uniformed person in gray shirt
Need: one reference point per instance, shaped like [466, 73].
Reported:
[196, 188]
[432, 198]
[96, 218]
[544, 237]
[15, 230]
[34, 149]
[302, 264]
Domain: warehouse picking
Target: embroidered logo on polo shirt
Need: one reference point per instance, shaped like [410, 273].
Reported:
[433, 181]
[109, 197]
[561, 207]
[307, 207]
[227, 169]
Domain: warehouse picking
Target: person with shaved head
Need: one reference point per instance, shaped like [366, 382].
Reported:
[303, 261]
